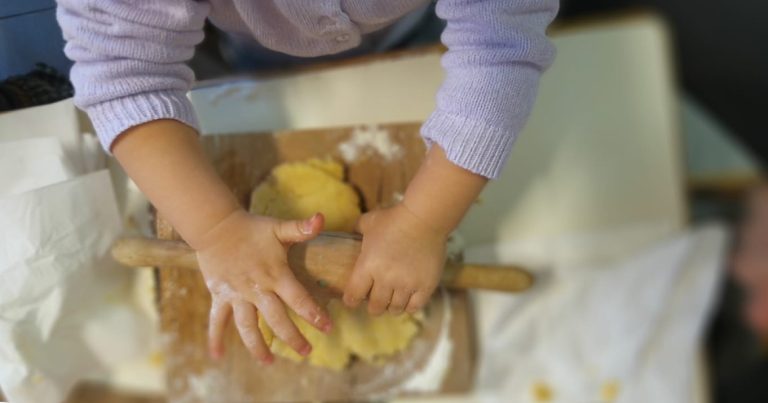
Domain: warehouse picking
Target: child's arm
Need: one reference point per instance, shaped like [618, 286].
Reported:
[404, 247]
[130, 77]
[242, 257]
[166, 161]
[497, 49]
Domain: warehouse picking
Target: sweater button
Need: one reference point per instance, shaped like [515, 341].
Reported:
[343, 38]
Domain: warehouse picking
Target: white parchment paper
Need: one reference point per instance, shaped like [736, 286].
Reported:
[59, 290]
[66, 310]
[624, 332]
[32, 163]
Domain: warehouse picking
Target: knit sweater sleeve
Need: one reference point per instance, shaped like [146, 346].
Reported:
[130, 60]
[497, 50]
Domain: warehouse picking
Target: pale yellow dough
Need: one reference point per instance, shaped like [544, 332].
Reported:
[298, 190]
[301, 189]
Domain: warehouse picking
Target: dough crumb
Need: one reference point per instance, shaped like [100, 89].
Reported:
[541, 392]
[609, 392]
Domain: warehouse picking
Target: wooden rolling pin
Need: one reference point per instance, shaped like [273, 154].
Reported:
[327, 261]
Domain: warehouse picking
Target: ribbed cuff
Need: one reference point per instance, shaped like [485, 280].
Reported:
[472, 145]
[111, 118]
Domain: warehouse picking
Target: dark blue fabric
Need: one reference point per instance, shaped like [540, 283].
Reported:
[29, 34]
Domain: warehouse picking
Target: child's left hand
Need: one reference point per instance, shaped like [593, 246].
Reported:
[400, 263]
[403, 251]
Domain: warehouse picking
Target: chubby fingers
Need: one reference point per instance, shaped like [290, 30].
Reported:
[418, 300]
[274, 312]
[293, 293]
[248, 326]
[399, 302]
[378, 302]
[364, 222]
[358, 287]
[360, 281]
[217, 323]
[293, 231]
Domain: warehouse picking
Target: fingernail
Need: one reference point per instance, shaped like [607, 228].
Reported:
[305, 350]
[321, 322]
[306, 227]
[268, 360]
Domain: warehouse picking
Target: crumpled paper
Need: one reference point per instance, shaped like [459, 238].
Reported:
[629, 331]
[65, 313]
[32, 163]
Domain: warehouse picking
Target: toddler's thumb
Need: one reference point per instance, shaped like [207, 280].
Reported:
[300, 230]
[363, 222]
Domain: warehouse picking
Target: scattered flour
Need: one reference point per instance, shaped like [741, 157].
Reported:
[430, 377]
[366, 140]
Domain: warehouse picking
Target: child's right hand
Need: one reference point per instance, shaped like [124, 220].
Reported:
[243, 257]
[244, 262]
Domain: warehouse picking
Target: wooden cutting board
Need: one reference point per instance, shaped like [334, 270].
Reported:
[244, 160]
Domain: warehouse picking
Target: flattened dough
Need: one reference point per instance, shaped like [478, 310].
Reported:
[298, 190]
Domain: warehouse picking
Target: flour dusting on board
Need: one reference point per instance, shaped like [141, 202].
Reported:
[423, 376]
[369, 139]
[430, 378]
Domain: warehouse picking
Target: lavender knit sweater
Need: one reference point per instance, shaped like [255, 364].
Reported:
[130, 59]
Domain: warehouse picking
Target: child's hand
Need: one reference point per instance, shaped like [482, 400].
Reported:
[244, 263]
[400, 263]
[243, 257]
